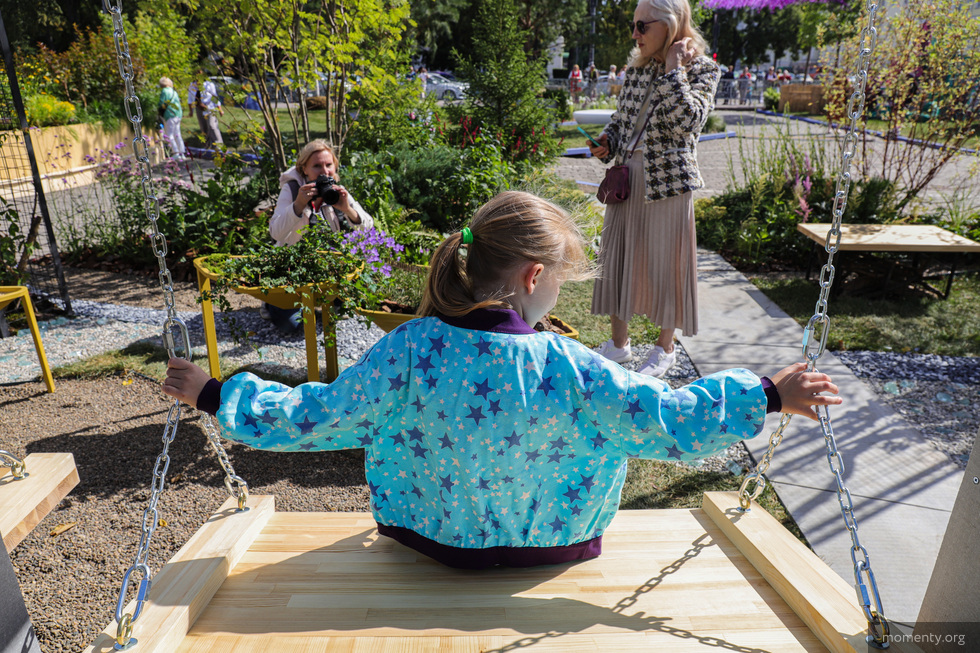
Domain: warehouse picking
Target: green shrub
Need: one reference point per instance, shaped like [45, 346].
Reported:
[443, 184]
[770, 98]
[559, 100]
[46, 111]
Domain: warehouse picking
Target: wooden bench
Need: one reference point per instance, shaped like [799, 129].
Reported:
[915, 239]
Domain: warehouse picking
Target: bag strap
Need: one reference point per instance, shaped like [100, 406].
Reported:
[637, 130]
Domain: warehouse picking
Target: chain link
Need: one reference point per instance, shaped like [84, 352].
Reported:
[17, 466]
[236, 486]
[815, 343]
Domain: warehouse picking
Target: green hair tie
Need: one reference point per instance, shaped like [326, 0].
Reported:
[467, 236]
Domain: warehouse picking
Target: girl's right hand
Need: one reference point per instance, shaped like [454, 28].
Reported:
[600, 152]
[800, 390]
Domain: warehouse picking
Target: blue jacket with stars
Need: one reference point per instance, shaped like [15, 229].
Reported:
[489, 443]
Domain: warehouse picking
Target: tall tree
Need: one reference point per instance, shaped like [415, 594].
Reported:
[505, 82]
[436, 23]
[284, 48]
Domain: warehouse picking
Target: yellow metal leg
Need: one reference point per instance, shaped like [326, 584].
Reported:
[330, 352]
[9, 294]
[210, 335]
[309, 330]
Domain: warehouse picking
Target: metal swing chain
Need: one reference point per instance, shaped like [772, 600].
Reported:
[235, 485]
[814, 347]
[17, 466]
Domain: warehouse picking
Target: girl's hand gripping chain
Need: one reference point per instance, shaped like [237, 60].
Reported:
[800, 390]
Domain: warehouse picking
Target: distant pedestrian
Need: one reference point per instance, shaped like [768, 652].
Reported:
[593, 81]
[202, 98]
[744, 84]
[727, 84]
[171, 112]
[614, 85]
[575, 82]
[424, 78]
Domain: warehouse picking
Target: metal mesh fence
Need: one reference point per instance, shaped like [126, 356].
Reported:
[26, 232]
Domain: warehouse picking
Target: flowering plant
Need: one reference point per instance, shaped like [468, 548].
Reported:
[357, 268]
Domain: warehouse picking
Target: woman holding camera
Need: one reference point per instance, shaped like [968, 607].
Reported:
[310, 193]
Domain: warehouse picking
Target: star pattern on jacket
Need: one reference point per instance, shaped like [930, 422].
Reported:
[524, 444]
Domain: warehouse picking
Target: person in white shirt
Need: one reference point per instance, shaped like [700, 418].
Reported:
[203, 100]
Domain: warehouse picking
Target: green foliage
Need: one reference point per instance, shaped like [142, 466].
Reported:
[770, 98]
[922, 83]
[443, 184]
[89, 70]
[45, 111]
[560, 102]
[785, 181]
[166, 48]
[289, 44]
[504, 96]
[217, 217]
[12, 245]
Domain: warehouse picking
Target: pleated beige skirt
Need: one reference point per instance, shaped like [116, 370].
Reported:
[648, 258]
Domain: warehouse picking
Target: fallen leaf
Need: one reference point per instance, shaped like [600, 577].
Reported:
[162, 523]
[61, 528]
[128, 382]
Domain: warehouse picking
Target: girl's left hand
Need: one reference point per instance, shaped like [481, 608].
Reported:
[680, 53]
[800, 391]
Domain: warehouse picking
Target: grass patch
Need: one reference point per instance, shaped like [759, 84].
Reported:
[907, 129]
[574, 307]
[653, 484]
[919, 323]
[142, 358]
[572, 137]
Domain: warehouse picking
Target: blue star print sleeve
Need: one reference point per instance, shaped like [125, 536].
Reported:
[695, 421]
[312, 416]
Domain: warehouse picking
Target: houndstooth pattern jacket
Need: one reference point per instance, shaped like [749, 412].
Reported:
[679, 106]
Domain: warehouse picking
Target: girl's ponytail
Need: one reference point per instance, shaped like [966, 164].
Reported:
[510, 229]
[447, 291]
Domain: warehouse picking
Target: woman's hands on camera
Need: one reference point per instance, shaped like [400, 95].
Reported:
[303, 198]
[600, 152]
[308, 194]
[679, 54]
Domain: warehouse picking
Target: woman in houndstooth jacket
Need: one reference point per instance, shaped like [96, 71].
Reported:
[648, 252]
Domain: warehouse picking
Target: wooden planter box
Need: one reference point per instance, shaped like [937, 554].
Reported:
[807, 98]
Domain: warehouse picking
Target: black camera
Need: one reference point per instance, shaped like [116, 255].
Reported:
[326, 190]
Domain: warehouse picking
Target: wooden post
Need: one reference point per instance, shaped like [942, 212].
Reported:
[16, 632]
[951, 606]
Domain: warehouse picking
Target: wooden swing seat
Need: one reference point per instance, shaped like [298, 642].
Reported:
[668, 580]
[24, 503]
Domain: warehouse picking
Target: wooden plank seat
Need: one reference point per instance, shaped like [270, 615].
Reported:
[914, 239]
[668, 580]
[24, 503]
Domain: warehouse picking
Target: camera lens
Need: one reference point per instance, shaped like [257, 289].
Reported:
[326, 191]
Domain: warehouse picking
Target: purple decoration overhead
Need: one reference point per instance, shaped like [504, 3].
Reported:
[772, 5]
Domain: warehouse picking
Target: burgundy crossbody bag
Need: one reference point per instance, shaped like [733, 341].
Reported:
[615, 186]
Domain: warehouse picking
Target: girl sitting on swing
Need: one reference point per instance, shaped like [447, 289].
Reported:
[487, 442]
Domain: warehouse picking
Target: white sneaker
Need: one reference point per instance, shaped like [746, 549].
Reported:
[264, 313]
[614, 353]
[658, 362]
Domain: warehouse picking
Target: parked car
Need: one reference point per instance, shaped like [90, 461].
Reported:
[445, 89]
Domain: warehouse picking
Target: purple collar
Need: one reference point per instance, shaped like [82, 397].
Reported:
[495, 320]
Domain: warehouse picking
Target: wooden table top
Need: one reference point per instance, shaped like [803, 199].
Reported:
[891, 237]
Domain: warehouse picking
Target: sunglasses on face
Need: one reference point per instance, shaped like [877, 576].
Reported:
[640, 26]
